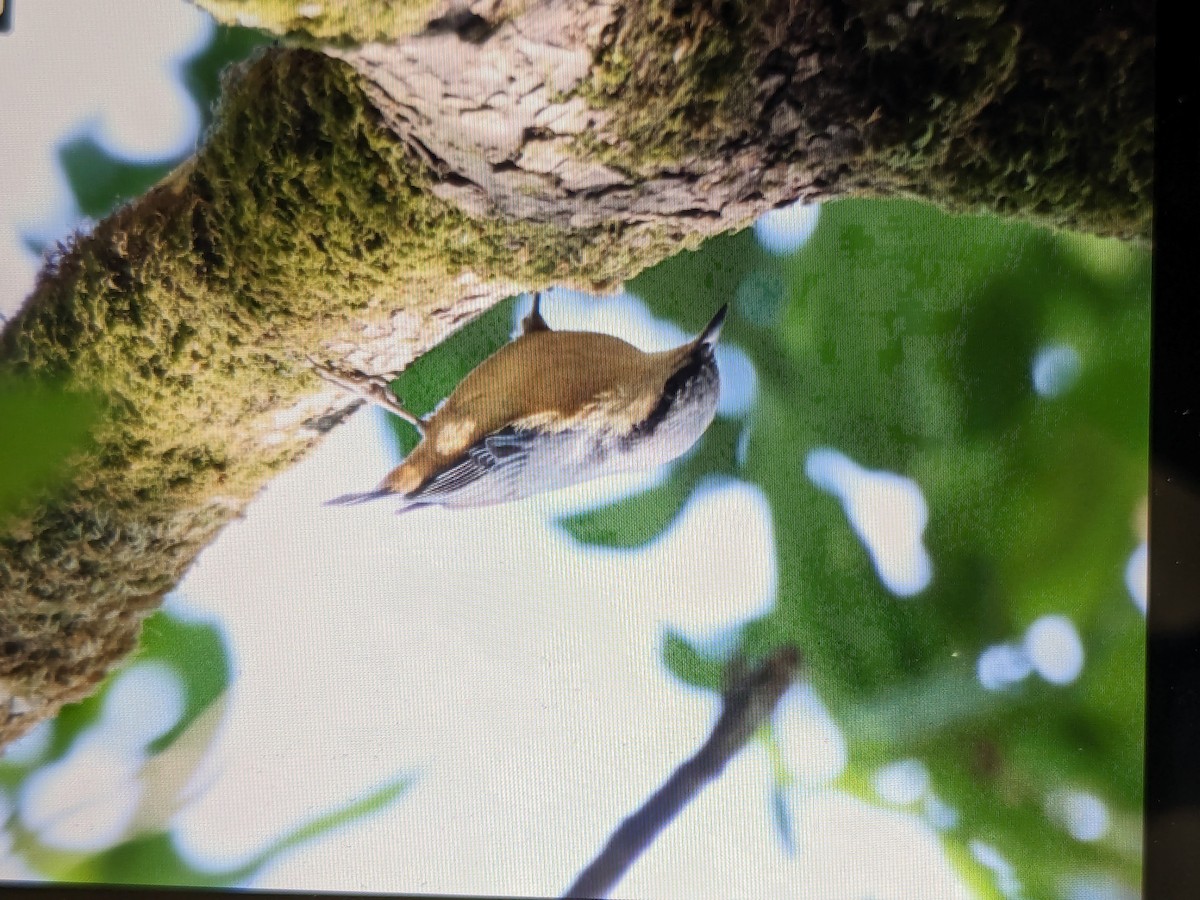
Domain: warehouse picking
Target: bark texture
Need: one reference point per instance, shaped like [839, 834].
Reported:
[704, 114]
[364, 199]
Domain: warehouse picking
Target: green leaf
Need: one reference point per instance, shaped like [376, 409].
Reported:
[194, 651]
[101, 180]
[907, 344]
[197, 652]
[42, 427]
[153, 858]
[691, 666]
[633, 521]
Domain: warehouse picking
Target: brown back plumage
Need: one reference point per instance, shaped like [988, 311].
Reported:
[546, 379]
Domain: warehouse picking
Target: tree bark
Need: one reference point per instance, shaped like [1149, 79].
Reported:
[364, 198]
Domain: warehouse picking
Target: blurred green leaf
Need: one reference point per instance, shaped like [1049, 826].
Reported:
[154, 859]
[100, 180]
[194, 651]
[202, 74]
[907, 343]
[691, 666]
[634, 521]
[42, 427]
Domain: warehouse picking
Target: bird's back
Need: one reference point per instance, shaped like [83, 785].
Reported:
[556, 372]
[562, 375]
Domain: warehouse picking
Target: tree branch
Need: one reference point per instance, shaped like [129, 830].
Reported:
[746, 706]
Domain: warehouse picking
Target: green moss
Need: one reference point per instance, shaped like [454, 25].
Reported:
[1046, 114]
[977, 106]
[327, 21]
[677, 77]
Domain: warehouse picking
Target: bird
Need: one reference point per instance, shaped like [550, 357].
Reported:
[548, 410]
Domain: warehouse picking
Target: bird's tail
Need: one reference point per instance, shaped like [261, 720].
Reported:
[352, 499]
[712, 330]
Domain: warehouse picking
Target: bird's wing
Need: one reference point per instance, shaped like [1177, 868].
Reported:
[506, 449]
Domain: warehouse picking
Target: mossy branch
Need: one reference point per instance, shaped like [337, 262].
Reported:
[361, 201]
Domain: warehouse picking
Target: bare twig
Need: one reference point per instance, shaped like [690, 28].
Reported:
[748, 703]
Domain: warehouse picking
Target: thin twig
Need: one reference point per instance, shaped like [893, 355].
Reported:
[747, 704]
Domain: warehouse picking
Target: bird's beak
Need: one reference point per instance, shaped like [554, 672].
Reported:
[712, 330]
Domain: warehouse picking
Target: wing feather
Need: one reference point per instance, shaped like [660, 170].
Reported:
[507, 449]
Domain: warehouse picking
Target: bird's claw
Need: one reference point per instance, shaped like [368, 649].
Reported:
[375, 389]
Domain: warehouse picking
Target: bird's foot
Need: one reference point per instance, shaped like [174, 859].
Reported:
[375, 389]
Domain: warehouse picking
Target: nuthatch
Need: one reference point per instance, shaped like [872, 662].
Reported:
[548, 410]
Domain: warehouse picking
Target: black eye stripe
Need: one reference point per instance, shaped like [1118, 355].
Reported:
[701, 365]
